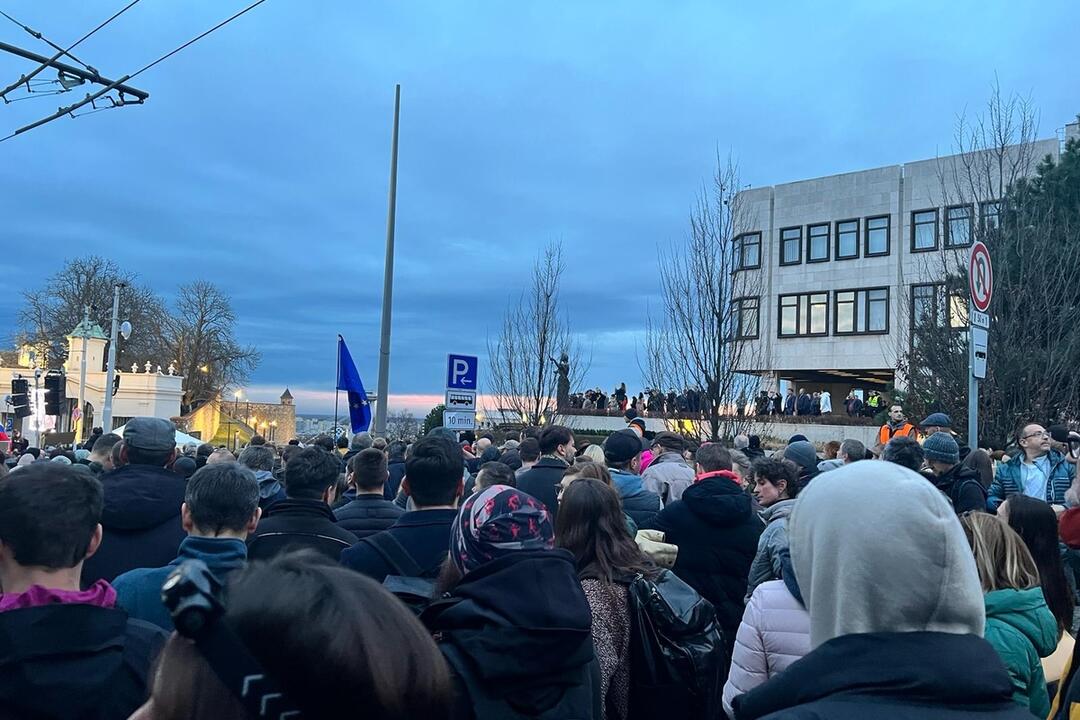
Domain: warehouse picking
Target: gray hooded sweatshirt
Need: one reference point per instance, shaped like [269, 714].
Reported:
[876, 548]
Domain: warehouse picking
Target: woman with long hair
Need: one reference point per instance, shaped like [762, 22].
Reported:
[1018, 623]
[1037, 523]
[591, 526]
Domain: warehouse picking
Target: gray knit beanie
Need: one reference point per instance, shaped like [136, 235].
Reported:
[941, 447]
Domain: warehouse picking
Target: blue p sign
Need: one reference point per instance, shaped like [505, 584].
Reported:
[461, 372]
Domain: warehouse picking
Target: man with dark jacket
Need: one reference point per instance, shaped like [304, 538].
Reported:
[101, 453]
[221, 508]
[805, 404]
[717, 535]
[303, 519]
[360, 441]
[141, 516]
[542, 479]
[395, 468]
[960, 484]
[369, 512]
[789, 402]
[64, 652]
[417, 543]
[260, 460]
[1037, 471]
[622, 453]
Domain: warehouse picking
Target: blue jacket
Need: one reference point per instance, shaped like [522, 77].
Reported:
[139, 591]
[1008, 480]
[639, 504]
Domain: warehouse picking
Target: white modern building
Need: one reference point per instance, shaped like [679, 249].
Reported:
[844, 262]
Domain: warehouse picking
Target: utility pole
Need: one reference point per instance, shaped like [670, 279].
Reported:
[110, 368]
[388, 278]
[82, 375]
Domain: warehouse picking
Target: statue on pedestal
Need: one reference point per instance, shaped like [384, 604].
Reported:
[172, 368]
[562, 388]
[134, 367]
[148, 366]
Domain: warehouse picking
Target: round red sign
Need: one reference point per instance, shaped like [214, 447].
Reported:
[980, 277]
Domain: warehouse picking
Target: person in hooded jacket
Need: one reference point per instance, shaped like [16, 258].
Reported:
[900, 640]
[622, 452]
[1019, 624]
[717, 534]
[776, 486]
[959, 483]
[753, 450]
[65, 652]
[513, 622]
[773, 634]
[141, 516]
[395, 468]
[260, 460]
[668, 475]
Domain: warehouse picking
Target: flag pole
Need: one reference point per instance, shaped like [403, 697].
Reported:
[388, 279]
[337, 377]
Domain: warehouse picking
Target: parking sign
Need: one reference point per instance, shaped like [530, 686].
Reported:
[461, 372]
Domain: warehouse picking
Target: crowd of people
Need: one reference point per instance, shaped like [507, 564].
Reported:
[532, 575]
[650, 401]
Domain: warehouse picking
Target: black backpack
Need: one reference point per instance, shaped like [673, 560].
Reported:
[412, 584]
[678, 658]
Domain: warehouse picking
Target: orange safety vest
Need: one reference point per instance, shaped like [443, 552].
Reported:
[886, 433]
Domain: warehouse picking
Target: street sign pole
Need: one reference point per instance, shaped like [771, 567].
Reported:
[981, 286]
[973, 396]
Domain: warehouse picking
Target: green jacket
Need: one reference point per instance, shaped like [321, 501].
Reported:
[1021, 628]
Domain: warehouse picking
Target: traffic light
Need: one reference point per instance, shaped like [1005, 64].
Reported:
[20, 397]
[55, 392]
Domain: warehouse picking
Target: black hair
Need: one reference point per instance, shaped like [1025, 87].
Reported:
[490, 454]
[310, 622]
[511, 459]
[434, 471]
[670, 441]
[368, 468]
[529, 450]
[1037, 524]
[904, 451]
[776, 470]
[104, 444]
[713, 457]
[204, 450]
[552, 437]
[156, 458]
[257, 457]
[48, 514]
[495, 473]
[396, 450]
[310, 472]
[467, 436]
[222, 496]
[324, 442]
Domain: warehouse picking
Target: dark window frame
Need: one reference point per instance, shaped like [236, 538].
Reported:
[971, 226]
[866, 309]
[943, 299]
[982, 213]
[799, 258]
[740, 244]
[739, 309]
[888, 236]
[828, 242]
[836, 239]
[798, 314]
[937, 229]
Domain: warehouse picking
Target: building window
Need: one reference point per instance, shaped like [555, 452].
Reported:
[791, 246]
[804, 315]
[748, 251]
[847, 239]
[877, 235]
[746, 318]
[924, 230]
[991, 214]
[928, 305]
[958, 226]
[861, 312]
[817, 243]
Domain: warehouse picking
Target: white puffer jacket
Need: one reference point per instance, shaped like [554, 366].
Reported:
[774, 633]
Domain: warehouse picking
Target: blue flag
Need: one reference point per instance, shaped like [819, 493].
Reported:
[349, 380]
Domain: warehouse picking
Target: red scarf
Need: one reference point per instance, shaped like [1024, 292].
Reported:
[719, 473]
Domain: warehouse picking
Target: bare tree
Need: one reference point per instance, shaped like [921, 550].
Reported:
[533, 335]
[1016, 206]
[52, 311]
[401, 425]
[199, 337]
[702, 336]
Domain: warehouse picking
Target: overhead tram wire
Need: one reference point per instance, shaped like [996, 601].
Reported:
[47, 41]
[61, 52]
[90, 98]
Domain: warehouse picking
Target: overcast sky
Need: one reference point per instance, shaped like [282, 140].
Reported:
[260, 161]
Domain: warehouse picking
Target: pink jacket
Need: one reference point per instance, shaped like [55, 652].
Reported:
[774, 633]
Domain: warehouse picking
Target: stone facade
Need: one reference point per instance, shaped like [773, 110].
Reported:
[233, 423]
[827, 355]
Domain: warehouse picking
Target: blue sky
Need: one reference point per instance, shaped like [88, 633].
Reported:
[260, 161]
